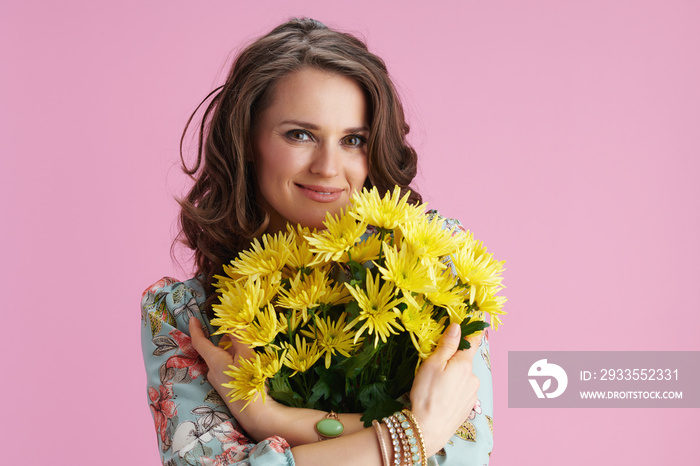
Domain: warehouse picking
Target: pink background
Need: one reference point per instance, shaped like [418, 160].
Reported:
[564, 134]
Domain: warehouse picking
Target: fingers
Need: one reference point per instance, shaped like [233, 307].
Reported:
[448, 344]
[200, 342]
[240, 349]
[212, 353]
[474, 342]
[447, 352]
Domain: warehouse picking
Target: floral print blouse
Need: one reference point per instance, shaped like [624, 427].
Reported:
[193, 425]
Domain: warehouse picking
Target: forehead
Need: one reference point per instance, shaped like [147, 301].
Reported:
[317, 96]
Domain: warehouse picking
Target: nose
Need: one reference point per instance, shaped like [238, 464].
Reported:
[326, 160]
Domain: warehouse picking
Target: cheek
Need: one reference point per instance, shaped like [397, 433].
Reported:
[360, 173]
[268, 162]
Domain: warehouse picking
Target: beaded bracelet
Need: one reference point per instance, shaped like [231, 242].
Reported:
[413, 456]
[423, 452]
[393, 425]
[380, 439]
[406, 449]
[403, 440]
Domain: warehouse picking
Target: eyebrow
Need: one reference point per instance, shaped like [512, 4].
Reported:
[311, 126]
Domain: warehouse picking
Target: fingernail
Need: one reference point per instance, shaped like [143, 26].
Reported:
[453, 330]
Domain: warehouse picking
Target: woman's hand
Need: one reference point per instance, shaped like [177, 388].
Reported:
[218, 360]
[445, 389]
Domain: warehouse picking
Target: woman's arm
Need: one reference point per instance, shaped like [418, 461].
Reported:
[260, 420]
[443, 395]
[192, 423]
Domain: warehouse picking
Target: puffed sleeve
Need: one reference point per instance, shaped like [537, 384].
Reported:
[193, 425]
[472, 443]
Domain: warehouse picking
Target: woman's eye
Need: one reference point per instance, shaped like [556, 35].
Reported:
[298, 135]
[354, 141]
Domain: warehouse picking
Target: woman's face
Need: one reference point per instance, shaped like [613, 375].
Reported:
[310, 147]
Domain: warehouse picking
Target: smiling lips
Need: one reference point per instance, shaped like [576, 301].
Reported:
[320, 193]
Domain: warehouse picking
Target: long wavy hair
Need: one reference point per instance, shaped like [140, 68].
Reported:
[221, 214]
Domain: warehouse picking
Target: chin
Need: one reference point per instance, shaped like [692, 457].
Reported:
[313, 221]
[317, 224]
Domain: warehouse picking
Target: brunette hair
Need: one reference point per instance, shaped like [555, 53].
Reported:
[221, 215]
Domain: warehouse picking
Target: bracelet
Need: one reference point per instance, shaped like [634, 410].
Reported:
[423, 452]
[393, 424]
[329, 427]
[380, 439]
[410, 447]
[404, 445]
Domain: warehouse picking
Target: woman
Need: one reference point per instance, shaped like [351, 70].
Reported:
[307, 116]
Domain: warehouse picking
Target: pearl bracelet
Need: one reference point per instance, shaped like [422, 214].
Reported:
[394, 426]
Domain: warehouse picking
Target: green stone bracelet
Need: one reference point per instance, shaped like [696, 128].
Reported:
[329, 427]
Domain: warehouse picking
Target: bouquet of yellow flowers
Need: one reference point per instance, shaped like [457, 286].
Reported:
[341, 319]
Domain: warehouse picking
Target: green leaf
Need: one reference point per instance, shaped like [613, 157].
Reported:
[281, 391]
[403, 378]
[354, 365]
[377, 403]
[372, 393]
[469, 327]
[320, 390]
[334, 378]
[353, 310]
[380, 411]
[358, 271]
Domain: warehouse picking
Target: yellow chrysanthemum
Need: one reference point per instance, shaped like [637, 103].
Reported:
[427, 337]
[304, 292]
[240, 301]
[493, 306]
[367, 250]
[231, 276]
[267, 259]
[302, 355]
[247, 380]
[300, 255]
[459, 312]
[310, 291]
[271, 361]
[406, 271]
[331, 336]
[341, 233]
[479, 270]
[335, 294]
[389, 212]
[294, 319]
[416, 315]
[377, 309]
[428, 239]
[448, 294]
[263, 330]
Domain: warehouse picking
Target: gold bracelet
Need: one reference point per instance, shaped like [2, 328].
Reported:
[380, 439]
[421, 440]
